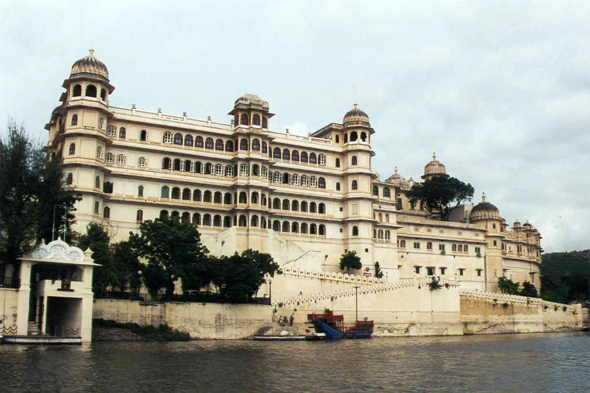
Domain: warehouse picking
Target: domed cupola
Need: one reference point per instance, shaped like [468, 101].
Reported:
[90, 66]
[434, 168]
[398, 180]
[484, 211]
[517, 225]
[251, 110]
[356, 117]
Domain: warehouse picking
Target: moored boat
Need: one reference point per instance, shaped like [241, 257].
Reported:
[334, 328]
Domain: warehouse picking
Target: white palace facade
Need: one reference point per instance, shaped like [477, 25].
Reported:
[304, 199]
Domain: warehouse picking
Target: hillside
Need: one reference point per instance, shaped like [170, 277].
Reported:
[566, 276]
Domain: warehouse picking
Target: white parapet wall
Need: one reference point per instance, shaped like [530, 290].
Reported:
[491, 313]
[200, 320]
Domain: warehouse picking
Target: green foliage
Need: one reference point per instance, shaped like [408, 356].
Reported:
[378, 271]
[350, 261]
[441, 194]
[434, 284]
[30, 186]
[565, 276]
[528, 290]
[148, 333]
[507, 286]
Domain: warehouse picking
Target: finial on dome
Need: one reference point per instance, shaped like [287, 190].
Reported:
[434, 156]
[396, 170]
[356, 105]
[483, 197]
[91, 52]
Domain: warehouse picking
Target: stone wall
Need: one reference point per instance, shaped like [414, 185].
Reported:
[200, 320]
[490, 313]
[8, 311]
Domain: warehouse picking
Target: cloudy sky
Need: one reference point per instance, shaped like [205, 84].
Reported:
[500, 90]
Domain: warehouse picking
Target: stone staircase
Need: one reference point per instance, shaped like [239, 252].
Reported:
[33, 329]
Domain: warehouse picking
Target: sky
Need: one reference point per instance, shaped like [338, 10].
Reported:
[500, 90]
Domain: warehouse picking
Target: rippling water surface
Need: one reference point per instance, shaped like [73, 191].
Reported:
[549, 362]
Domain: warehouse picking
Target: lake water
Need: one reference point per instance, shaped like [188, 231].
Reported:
[540, 363]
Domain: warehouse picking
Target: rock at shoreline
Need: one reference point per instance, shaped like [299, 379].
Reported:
[114, 334]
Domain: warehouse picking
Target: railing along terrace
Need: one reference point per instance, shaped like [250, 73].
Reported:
[187, 298]
[10, 282]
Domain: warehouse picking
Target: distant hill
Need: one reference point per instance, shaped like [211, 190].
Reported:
[565, 276]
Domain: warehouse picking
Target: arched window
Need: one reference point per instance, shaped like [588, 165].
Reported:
[197, 196]
[375, 190]
[177, 164]
[97, 182]
[338, 186]
[295, 227]
[207, 220]
[264, 122]
[109, 158]
[276, 152]
[227, 198]
[286, 178]
[243, 198]
[322, 159]
[386, 193]
[107, 187]
[286, 226]
[77, 91]
[229, 146]
[106, 212]
[72, 149]
[354, 160]
[353, 136]
[167, 137]
[120, 159]
[101, 123]
[207, 196]
[286, 154]
[454, 247]
[304, 156]
[178, 139]
[295, 179]
[264, 148]
[198, 167]
[321, 182]
[217, 220]
[91, 91]
[295, 206]
[188, 140]
[209, 143]
[312, 158]
[244, 119]
[141, 162]
[139, 216]
[276, 204]
[143, 136]
[336, 139]
[322, 208]
[75, 120]
[364, 136]
[355, 231]
[69, 179]
[313, 229]
[312, 207]
[196, 219]
[218, 170]
[175, 193]
[165, 192]
[286, 204]
[338, 163]
[304, 180]
[255, 144]
[313, 182]
[276, 177]
[208, 168]
[163, 214]
[111, 131]
[380, 234]
[186, 194]
[276, 225]
[354, 185]
[217, 197]
[199, 141]
[229, 171]
[103, 94]
[243, 170]
[322, 230]
[243, 222]
[254, 221]
[255, 170]
[256, 120]
[345, 138]
[166, 163]
[304, 228]
[295, 156]
[243, 144]
[219, 144]
[227, 222]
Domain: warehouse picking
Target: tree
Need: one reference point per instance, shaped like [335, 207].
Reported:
[30, 187]
[441, 194]
[507, 286]
[528, 290]
[350, 261]
[172, 249]
[378, 271]
[565, 276]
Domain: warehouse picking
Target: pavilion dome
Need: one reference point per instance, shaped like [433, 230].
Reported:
[356, 116]
[484, 211]
[434, 167]
[398, 180]
[90, 65]
[251, 100]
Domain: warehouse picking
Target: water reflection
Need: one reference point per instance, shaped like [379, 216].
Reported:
[556, 362]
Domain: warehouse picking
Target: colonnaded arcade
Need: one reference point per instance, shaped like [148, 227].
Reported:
[304, 199]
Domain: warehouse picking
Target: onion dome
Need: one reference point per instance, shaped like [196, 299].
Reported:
[434, 167]
[90, 65]
[484, 211]
[398, 180]
[527, 225]
[356, 116]
[516, 224]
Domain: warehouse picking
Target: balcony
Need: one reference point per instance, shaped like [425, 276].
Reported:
[10, 282]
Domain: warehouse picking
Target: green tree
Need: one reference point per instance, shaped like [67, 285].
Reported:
[97, 239]
[172, 249]
[441, 194]
[378, 271]
[507, 286]
[30, 187]
[565, 276]
[350, 261]
[528, 290]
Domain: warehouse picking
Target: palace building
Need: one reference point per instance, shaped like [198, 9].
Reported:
[304, 199]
